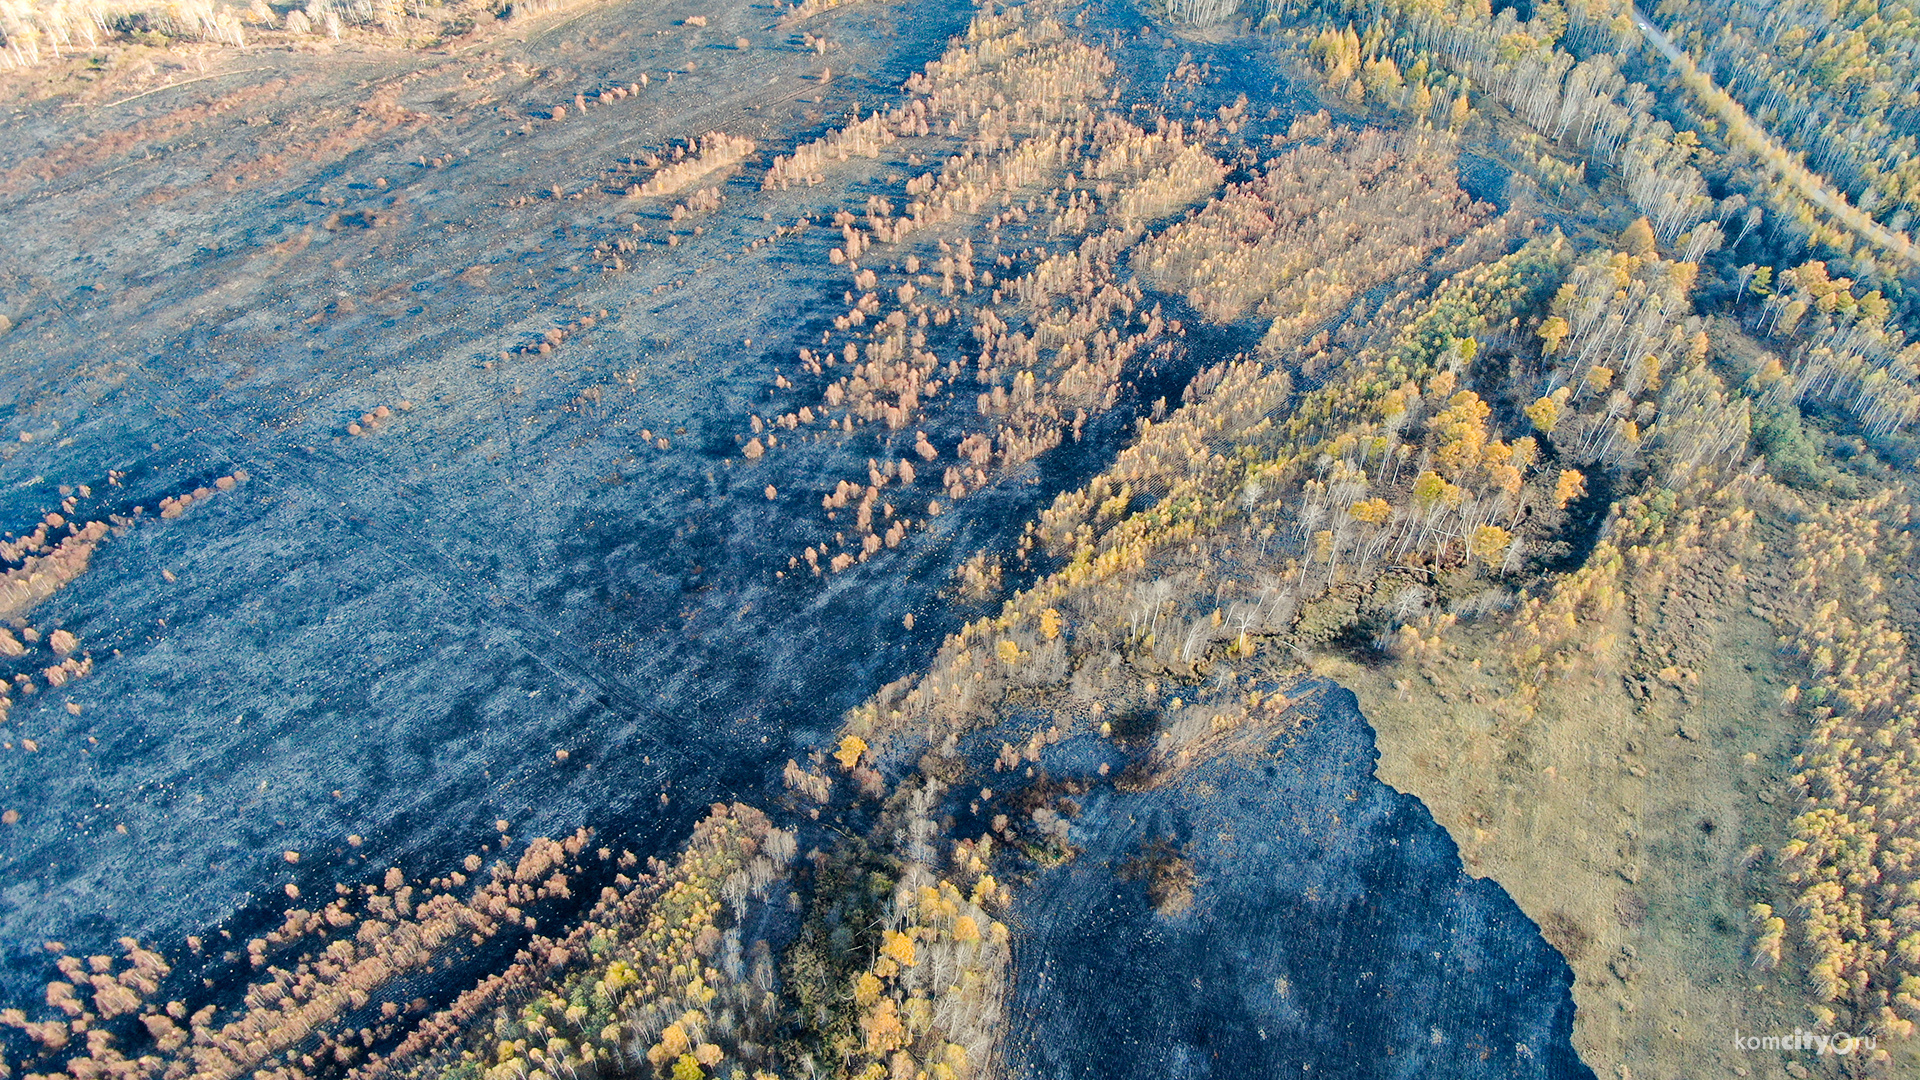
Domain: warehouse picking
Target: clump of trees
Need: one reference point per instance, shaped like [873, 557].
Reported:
[1847, 349]
[1622, 325]
[55, 554]
[857, 138]
[378, 417]
[42, 574]
[921, 990]
[693, 161]
[1168, 874]
[33, 657]
[551, 339]
[807, 9]
[47, 566]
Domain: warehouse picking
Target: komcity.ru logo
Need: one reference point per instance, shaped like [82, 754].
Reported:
[1840, 1044]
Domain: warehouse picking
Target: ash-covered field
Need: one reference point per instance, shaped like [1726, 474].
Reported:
[1279, 912]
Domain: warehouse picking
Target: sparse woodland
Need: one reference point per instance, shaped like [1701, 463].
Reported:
[1570, 109]
[1585, 106]
[56, 553]
[1281, 248]
[326, 963]
[1053, 328]
[1296, 245]
[1832, 82]
[1255, 513]
[1851, 860]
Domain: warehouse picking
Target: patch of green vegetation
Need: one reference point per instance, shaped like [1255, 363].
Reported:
[836, 945]
[1793, 451]
[467, 1069]
[1048, 854]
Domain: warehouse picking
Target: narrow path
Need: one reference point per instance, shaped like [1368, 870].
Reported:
[1743, 126]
